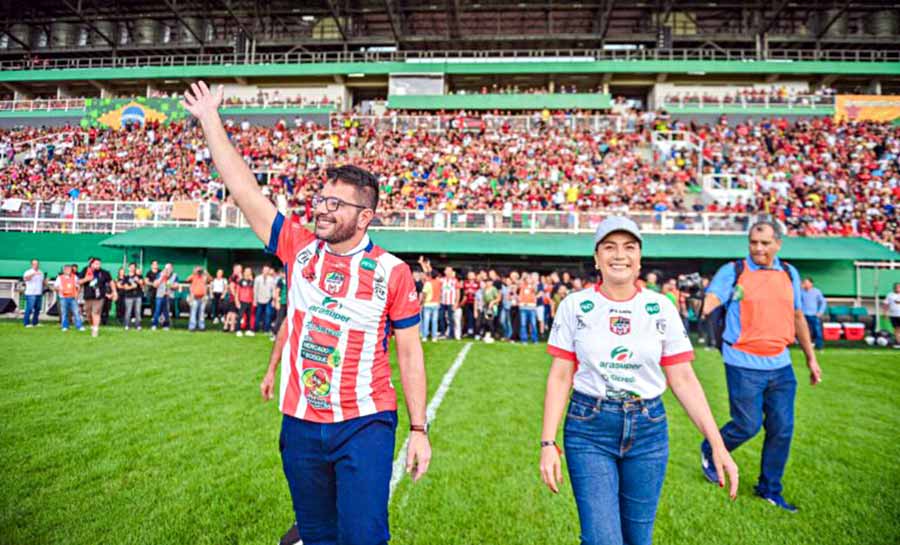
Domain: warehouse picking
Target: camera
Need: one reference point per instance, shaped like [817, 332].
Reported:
[690, 283]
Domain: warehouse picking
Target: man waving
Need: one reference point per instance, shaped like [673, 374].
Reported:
[345, 298]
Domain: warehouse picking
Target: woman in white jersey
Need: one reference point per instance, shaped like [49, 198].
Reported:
[618, 345]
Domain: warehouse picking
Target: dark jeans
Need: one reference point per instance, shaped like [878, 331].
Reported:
[263, 320]
[32, 309]
[339, 476]
[447, 317]
[217, 307]
[617, 452]
[244, 312]
[761, 399]
[161, 309]
[815, 331]
[469, 319]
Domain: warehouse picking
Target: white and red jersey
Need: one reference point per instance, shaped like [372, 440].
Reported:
[341, 311]
[449, 291]
[619, 347]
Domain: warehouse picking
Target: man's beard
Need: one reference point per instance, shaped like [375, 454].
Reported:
[341, 233]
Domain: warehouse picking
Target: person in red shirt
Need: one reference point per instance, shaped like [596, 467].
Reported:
[245, 302]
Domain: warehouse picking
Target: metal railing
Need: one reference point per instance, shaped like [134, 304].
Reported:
[119, 216]
[472, 123]
[503, 55]
[799, 102]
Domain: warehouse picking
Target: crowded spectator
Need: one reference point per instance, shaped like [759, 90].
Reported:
[820, 177]
[279, 301]
[813, 304]
[35, 281]
[163, 286]
[99, 290]
[244, 296]
[149, 283]
[67, 290]
[133, 290]
[218, 287]
[263, 292]
[198, 281]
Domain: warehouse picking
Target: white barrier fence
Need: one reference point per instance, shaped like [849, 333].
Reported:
[119, 216]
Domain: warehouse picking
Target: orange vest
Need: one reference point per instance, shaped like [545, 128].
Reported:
[68, 285]
[527, 296]
[766, 297]
[198, 286]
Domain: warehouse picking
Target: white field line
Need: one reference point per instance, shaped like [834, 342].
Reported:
[399, 468]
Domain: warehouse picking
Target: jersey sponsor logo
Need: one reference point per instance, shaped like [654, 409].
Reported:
[587, 306]
[620, 325]
[367, 264]
[621, 354]
[661, 326]
[304, 256]
[379, 285]
[326, 355]
[329, 309]
[412, 296]
[317, 386]
[652, 308]
[322, 329]
[581, 324]
[334, 281]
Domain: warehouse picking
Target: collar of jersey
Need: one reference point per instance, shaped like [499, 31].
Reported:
[365, 245]
[608, 298]
[751, 265]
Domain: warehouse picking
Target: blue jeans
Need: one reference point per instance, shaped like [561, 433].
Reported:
[32, 309]
[339, 476]
[69, 305]
[815, 331]
[447, 315]
[161, 308]
[198, 316]
[527, 318]
[430, 322]
[761, 399]
[263, 319]
[506, 323]
[617, 453]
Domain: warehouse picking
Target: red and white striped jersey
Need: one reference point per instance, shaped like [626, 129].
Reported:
[449, 291]
[341, 310]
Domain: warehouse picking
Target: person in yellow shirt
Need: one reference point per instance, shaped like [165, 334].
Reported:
[430, 301]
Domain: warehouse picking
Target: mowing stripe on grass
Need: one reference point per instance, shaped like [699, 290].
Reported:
[399, 467]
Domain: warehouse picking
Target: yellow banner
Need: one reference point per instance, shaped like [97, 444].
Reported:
[866, 108]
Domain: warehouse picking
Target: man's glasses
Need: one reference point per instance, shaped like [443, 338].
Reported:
[333, 203]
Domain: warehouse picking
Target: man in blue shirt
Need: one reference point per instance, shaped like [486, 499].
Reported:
[763, 317]
[813, 304]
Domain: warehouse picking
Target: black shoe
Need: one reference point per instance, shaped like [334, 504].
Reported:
[292, 537]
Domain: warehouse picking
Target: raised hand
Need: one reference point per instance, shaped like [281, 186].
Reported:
[201, 101]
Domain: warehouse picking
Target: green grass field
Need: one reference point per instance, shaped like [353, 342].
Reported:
[161, 437]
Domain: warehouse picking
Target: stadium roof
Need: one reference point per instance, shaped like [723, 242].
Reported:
[140, 27]
[670, 246]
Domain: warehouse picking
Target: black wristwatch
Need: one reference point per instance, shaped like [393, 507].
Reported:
[548, 444]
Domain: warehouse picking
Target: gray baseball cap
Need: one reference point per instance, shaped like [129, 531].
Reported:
[613, 224]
